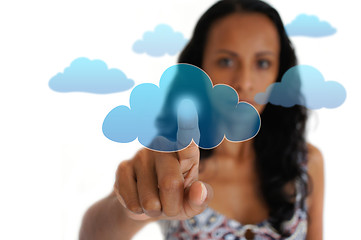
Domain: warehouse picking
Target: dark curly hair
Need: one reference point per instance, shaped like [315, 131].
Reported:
[280, 146]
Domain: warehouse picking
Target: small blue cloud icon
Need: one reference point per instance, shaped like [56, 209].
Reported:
[161, 41]
[185, 107]
[304, 85]
[309, 26]
[91, 76]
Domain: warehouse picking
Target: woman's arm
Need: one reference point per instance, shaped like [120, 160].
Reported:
[149, 187]
[107, 219]
[315, 199]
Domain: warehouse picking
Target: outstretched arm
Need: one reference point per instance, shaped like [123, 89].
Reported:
[107, 219]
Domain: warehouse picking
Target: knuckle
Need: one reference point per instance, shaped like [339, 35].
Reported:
[142, 159]
[170, 183]
[123, 168]
[141, 155]
[123, 171]
[186, 164]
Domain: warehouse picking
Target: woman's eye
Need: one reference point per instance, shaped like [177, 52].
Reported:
[225, 62]
[263, 64]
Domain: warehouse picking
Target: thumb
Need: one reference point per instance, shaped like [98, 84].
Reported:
[197, 198]
[188, 136]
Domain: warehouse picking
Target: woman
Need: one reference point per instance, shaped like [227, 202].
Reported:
[270, 187]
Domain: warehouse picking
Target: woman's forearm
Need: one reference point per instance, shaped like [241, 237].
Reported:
[107, 219]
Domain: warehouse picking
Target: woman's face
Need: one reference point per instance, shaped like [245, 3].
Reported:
[242, 51]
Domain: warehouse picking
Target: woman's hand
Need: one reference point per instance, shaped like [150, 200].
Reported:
[156, 185]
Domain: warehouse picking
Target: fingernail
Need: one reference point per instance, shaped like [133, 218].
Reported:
[138, 211]
[153, 213]
[204, 192]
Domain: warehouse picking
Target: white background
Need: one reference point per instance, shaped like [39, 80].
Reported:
[55, 161]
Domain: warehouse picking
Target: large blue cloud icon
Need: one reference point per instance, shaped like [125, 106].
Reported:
[185, 107]
[91, 76]
[309, 26]
[163, 40]
[303, 85]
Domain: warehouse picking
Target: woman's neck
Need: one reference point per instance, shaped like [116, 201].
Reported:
[238, 151]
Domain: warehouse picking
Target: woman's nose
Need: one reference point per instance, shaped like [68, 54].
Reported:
[242, 81]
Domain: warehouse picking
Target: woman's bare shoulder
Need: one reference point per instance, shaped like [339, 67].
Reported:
[314, 153]
[315, 160]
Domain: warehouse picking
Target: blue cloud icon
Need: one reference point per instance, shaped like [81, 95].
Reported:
[309, 26]
[91, 76]
[161, 41]
[304, 85]
[185, 107]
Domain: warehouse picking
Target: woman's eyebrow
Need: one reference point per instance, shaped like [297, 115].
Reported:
[234, 54]
[264, 53]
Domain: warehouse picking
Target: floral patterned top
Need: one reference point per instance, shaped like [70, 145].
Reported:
[213, 225]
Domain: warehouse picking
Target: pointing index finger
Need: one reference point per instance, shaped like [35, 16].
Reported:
[188, 137]
[188, 129]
